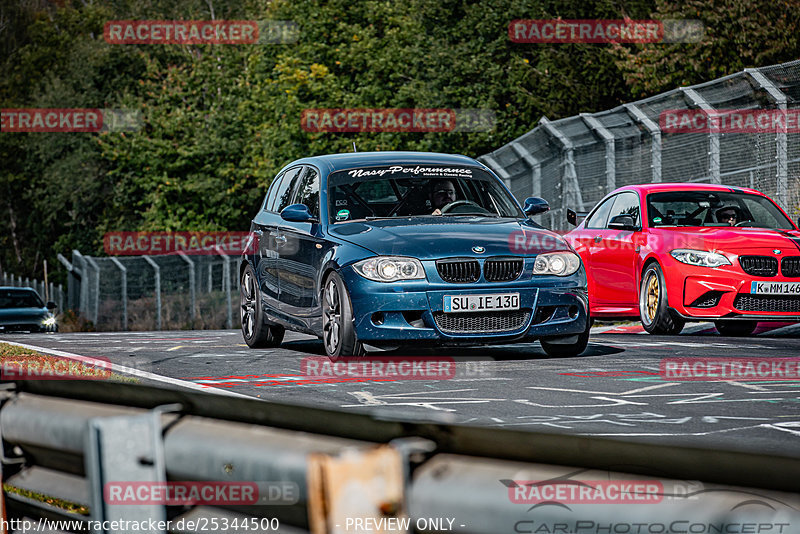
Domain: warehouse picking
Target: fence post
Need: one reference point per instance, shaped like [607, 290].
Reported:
[609, 141]
[655, 139]
[60, 297]
[83, 292]
[569, 183]
[210, 280]
[191, 285]
[72, 277]
[536, 168]
[496, 167]
[781, 151]
[124, 291]
[157, 270]
[96, 289]
[226, 285]
[713, 137]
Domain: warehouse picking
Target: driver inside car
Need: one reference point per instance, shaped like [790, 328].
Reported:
[442, 193]
[728, 215]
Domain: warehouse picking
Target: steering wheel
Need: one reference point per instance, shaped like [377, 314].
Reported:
[749, 222]
[458, 203]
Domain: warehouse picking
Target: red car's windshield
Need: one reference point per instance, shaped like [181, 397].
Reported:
[714, 208]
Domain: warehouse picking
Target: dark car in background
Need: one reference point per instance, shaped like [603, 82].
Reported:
[22, 310]
[407, 248]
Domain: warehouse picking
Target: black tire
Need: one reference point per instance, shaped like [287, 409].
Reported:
[256, 333]
[654, 312]
[567, 350]
[338, 330]
[735, 328]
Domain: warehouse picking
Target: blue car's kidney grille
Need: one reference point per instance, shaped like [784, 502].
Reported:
[481, 323]
[459, 270]
[759, 265]
[502, 270]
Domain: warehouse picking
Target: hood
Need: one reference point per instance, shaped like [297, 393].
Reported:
[732, 240]
[23, 315]
[443, 237]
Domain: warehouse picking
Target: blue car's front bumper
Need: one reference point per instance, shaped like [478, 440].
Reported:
[412, 311]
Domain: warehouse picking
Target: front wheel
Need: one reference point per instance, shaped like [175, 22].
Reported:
[256, 333]
[653, 310]
[735, 328]
[338, 330]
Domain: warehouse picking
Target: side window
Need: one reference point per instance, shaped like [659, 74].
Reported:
[626, 204]
[600, 216]
[285, 190]
[273, 187]
[308, 191]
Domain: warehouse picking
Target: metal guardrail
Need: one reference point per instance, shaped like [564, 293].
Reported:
[69, 439]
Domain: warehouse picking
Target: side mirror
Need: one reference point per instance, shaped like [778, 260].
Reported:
[51, 305]
[297, 213]
[535, 206]
[572, 217]
[623, 222]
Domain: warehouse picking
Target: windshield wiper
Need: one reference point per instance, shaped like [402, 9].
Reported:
[470, 215]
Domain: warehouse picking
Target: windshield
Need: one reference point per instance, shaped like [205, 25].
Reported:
[19, 298]
[416, 191]
[714, 208]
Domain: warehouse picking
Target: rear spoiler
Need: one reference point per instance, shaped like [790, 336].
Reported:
[572, 216]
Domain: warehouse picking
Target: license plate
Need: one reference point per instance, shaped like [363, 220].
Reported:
[775, 288]
[479, 303]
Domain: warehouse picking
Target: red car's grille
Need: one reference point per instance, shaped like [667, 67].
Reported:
[791, 266]
[767, 303]
[502, 270]
[759, 265]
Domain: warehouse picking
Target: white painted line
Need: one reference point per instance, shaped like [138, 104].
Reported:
[128, 370]
[629, 392]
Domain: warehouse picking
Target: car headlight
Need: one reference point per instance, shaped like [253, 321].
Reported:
[700, 258]
[390, 269]
[50, 321]
[557, 263]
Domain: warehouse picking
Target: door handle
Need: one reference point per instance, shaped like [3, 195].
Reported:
[598, 238]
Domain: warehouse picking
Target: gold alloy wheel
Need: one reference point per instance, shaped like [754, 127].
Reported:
[652, 296]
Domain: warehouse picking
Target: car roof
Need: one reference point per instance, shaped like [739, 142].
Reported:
[684, 186]
[337, 162]
[21, 288]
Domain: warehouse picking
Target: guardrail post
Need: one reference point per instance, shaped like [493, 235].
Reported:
[157, 270]
[536, 168]
[192, 296]
[226, 286]
[609, 140]
[127, 451]
[713, 137]
[655, 139]
[124, 291]
[781, 151]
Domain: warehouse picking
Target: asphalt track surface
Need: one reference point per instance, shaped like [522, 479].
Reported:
[614, 389]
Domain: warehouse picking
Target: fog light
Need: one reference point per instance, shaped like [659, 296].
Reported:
[377, 318]
[573, 311]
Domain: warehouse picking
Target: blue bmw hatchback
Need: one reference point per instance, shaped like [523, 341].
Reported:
[407, 248]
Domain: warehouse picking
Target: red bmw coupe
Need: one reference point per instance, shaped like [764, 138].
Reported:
[670, 253]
